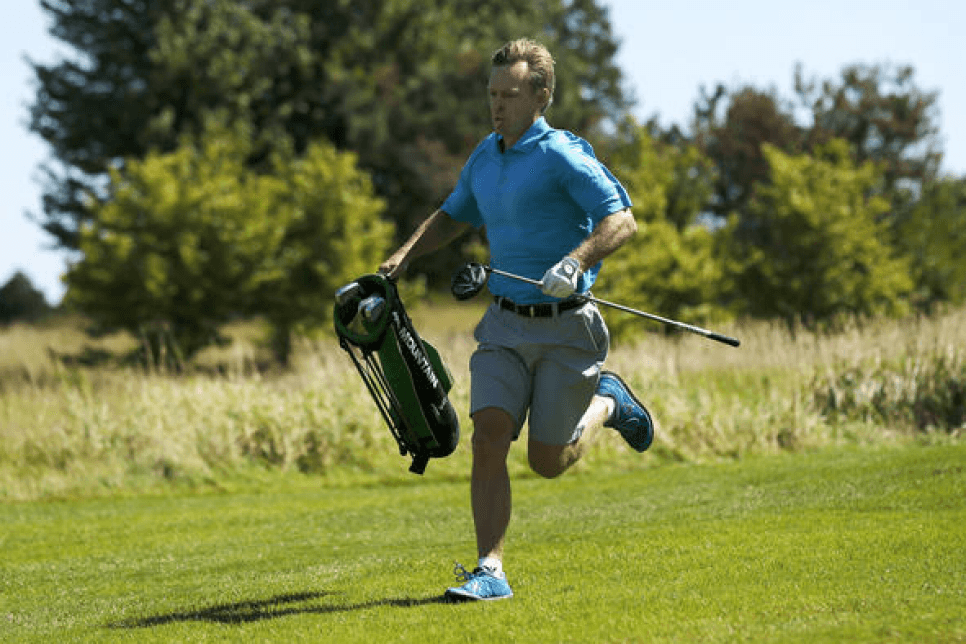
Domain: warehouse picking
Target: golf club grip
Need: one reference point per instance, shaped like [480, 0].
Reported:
[711, 335]
[723, 338]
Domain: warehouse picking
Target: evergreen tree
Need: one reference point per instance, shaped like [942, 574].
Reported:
[20, 301]
[734, 142]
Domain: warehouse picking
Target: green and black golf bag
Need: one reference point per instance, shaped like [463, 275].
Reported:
[405, 375]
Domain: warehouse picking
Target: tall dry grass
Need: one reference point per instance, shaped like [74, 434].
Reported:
[772, 393]
[69, 429]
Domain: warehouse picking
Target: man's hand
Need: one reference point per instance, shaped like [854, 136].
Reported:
[561, 280]
[393, 267]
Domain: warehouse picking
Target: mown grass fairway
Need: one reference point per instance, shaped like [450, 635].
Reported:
[835, 545]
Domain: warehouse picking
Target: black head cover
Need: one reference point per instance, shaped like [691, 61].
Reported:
[468, 281]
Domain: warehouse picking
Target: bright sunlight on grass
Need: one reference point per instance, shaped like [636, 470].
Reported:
[832, 546]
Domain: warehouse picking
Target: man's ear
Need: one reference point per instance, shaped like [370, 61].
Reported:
[545, 97]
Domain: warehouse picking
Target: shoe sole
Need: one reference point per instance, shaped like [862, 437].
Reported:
[460, 596]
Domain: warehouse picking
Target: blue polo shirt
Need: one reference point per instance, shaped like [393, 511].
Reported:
[538, 200]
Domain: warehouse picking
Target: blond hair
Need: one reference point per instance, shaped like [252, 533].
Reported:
[538, 59]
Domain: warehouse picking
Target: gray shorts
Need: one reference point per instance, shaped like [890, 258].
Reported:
[545, 366]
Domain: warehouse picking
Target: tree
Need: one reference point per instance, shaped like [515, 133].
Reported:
[20, 301]
[673, 266]
[735, 143]
[399, 82]
[189, 239]
[335, 234]
[90, 109]
[821, 252]
[934, 240]
[590, 89]
[693, 178]
[885, 118]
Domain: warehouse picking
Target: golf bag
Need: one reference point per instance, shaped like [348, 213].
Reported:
[405, 375]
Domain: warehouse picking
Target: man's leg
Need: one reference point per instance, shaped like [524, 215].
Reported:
[490, 480]
[550, 461]
[490, 491]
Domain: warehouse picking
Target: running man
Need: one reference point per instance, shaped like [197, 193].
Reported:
[551, 212]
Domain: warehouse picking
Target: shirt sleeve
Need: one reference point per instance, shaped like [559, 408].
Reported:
[461, 204]
[590, 184]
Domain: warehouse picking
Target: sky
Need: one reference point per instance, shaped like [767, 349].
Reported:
[669, 51]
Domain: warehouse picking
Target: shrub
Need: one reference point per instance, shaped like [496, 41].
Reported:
[925, 392]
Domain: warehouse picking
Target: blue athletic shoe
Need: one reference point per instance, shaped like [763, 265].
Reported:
[630, 417]
[479, 585]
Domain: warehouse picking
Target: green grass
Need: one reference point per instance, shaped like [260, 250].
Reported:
[838, 544]
[806, 487]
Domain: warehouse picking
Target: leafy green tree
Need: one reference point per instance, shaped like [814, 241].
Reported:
[693, 178]
[820, 252]
[189, 239]
[20, 301]
[589, 90]
[673, 266]
[335, 234]
[886, 118]
[180, 245]
[934, 240]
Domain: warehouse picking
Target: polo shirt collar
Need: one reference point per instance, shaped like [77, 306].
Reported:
[534, 133]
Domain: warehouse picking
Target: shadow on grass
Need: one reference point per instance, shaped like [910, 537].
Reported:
[272, 608]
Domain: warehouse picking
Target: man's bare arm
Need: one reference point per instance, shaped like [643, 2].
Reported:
[609, 235]
[435, 232]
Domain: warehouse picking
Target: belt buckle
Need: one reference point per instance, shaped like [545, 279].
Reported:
[532, 310]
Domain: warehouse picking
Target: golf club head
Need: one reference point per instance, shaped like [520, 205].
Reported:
[468, 281]
[347, 301]
[347, 292]
[372, 308]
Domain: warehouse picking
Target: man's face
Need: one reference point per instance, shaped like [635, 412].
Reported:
[514, 104]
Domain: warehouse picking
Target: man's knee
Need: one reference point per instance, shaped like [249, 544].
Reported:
[492, 432]
[550, 461]
[543, 467]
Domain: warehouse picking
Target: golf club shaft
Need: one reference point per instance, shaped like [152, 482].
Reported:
[711, 335]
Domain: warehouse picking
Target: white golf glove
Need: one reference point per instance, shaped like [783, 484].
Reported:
[561, 280]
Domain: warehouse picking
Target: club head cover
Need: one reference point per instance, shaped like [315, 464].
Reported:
[468, 281]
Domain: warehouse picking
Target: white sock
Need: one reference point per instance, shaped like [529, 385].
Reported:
[492, 564]
[611, 405]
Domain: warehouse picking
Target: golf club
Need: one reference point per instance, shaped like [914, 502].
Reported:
[471, 279]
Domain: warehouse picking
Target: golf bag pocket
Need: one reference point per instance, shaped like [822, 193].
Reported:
[405, 374]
